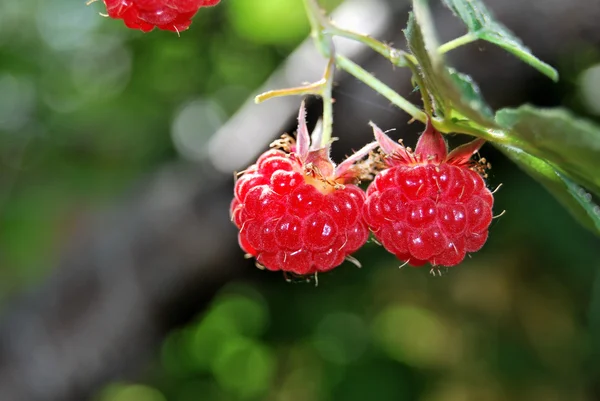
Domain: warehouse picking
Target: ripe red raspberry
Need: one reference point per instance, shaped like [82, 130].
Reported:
[428, 205]
[170, 15]
[296, 211]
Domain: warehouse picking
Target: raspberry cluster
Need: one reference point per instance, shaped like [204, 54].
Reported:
[145, 15]
[299, 213]
[296, 211]
[428, 205]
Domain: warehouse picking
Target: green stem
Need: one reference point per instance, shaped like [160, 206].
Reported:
[311, 89]
[317, 23]
[326, 95]
[473, 129]
[455, 43]
[323, 41]
[362, 75]
[427, 105]
[396, 56]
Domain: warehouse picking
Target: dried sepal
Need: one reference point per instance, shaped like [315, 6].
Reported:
[352, 168]
[302, 136]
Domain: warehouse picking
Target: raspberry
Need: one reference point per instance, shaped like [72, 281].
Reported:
[428, 205]
[145, 15]
[298, 212]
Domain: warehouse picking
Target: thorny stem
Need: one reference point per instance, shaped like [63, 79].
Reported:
[460, 41]
[364, 76]
[323, 30]
[314, 88]
[324, 43]
[396, 56]
[326, 95]
[473, 129]
[322, 87]
[318, 21]
[422, 87]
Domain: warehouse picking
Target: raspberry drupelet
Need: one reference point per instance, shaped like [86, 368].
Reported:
[428, 205]
[145, 15]
[298, 212]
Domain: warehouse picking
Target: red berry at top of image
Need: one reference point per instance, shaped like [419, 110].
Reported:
[428, 205]
[145, 15]
[296, 210]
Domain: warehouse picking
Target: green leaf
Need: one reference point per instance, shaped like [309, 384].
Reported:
[455, 95]
[480, 21]
[568, 193]
[470, 95]
[558, 137]
[429, 66]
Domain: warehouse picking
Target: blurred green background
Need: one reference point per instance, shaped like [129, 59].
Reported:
[88, 107]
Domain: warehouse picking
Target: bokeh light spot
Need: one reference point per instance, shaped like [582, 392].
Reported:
[176, 358]
[103, 70]
[412, 335]
[17, 101]
[131, 392]
[249, 316]
[589, 84]
[193, 126]
[64, 26]
[210, 338]
[269, 21]
[341, 338]
[244, 368]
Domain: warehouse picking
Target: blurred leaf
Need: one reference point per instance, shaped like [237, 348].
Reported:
[569, 194]
[455, 95]
[594, 317]
[584, 199]
[557, 136]
[481, 23]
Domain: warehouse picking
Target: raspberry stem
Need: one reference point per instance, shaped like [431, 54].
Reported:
[314, 88]
[455, 43]
[323, 30]
[326, 95]
[323, 41]
[381, 88]
[472, 128]
[396, 56]
[318, 21]
[427, 105]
